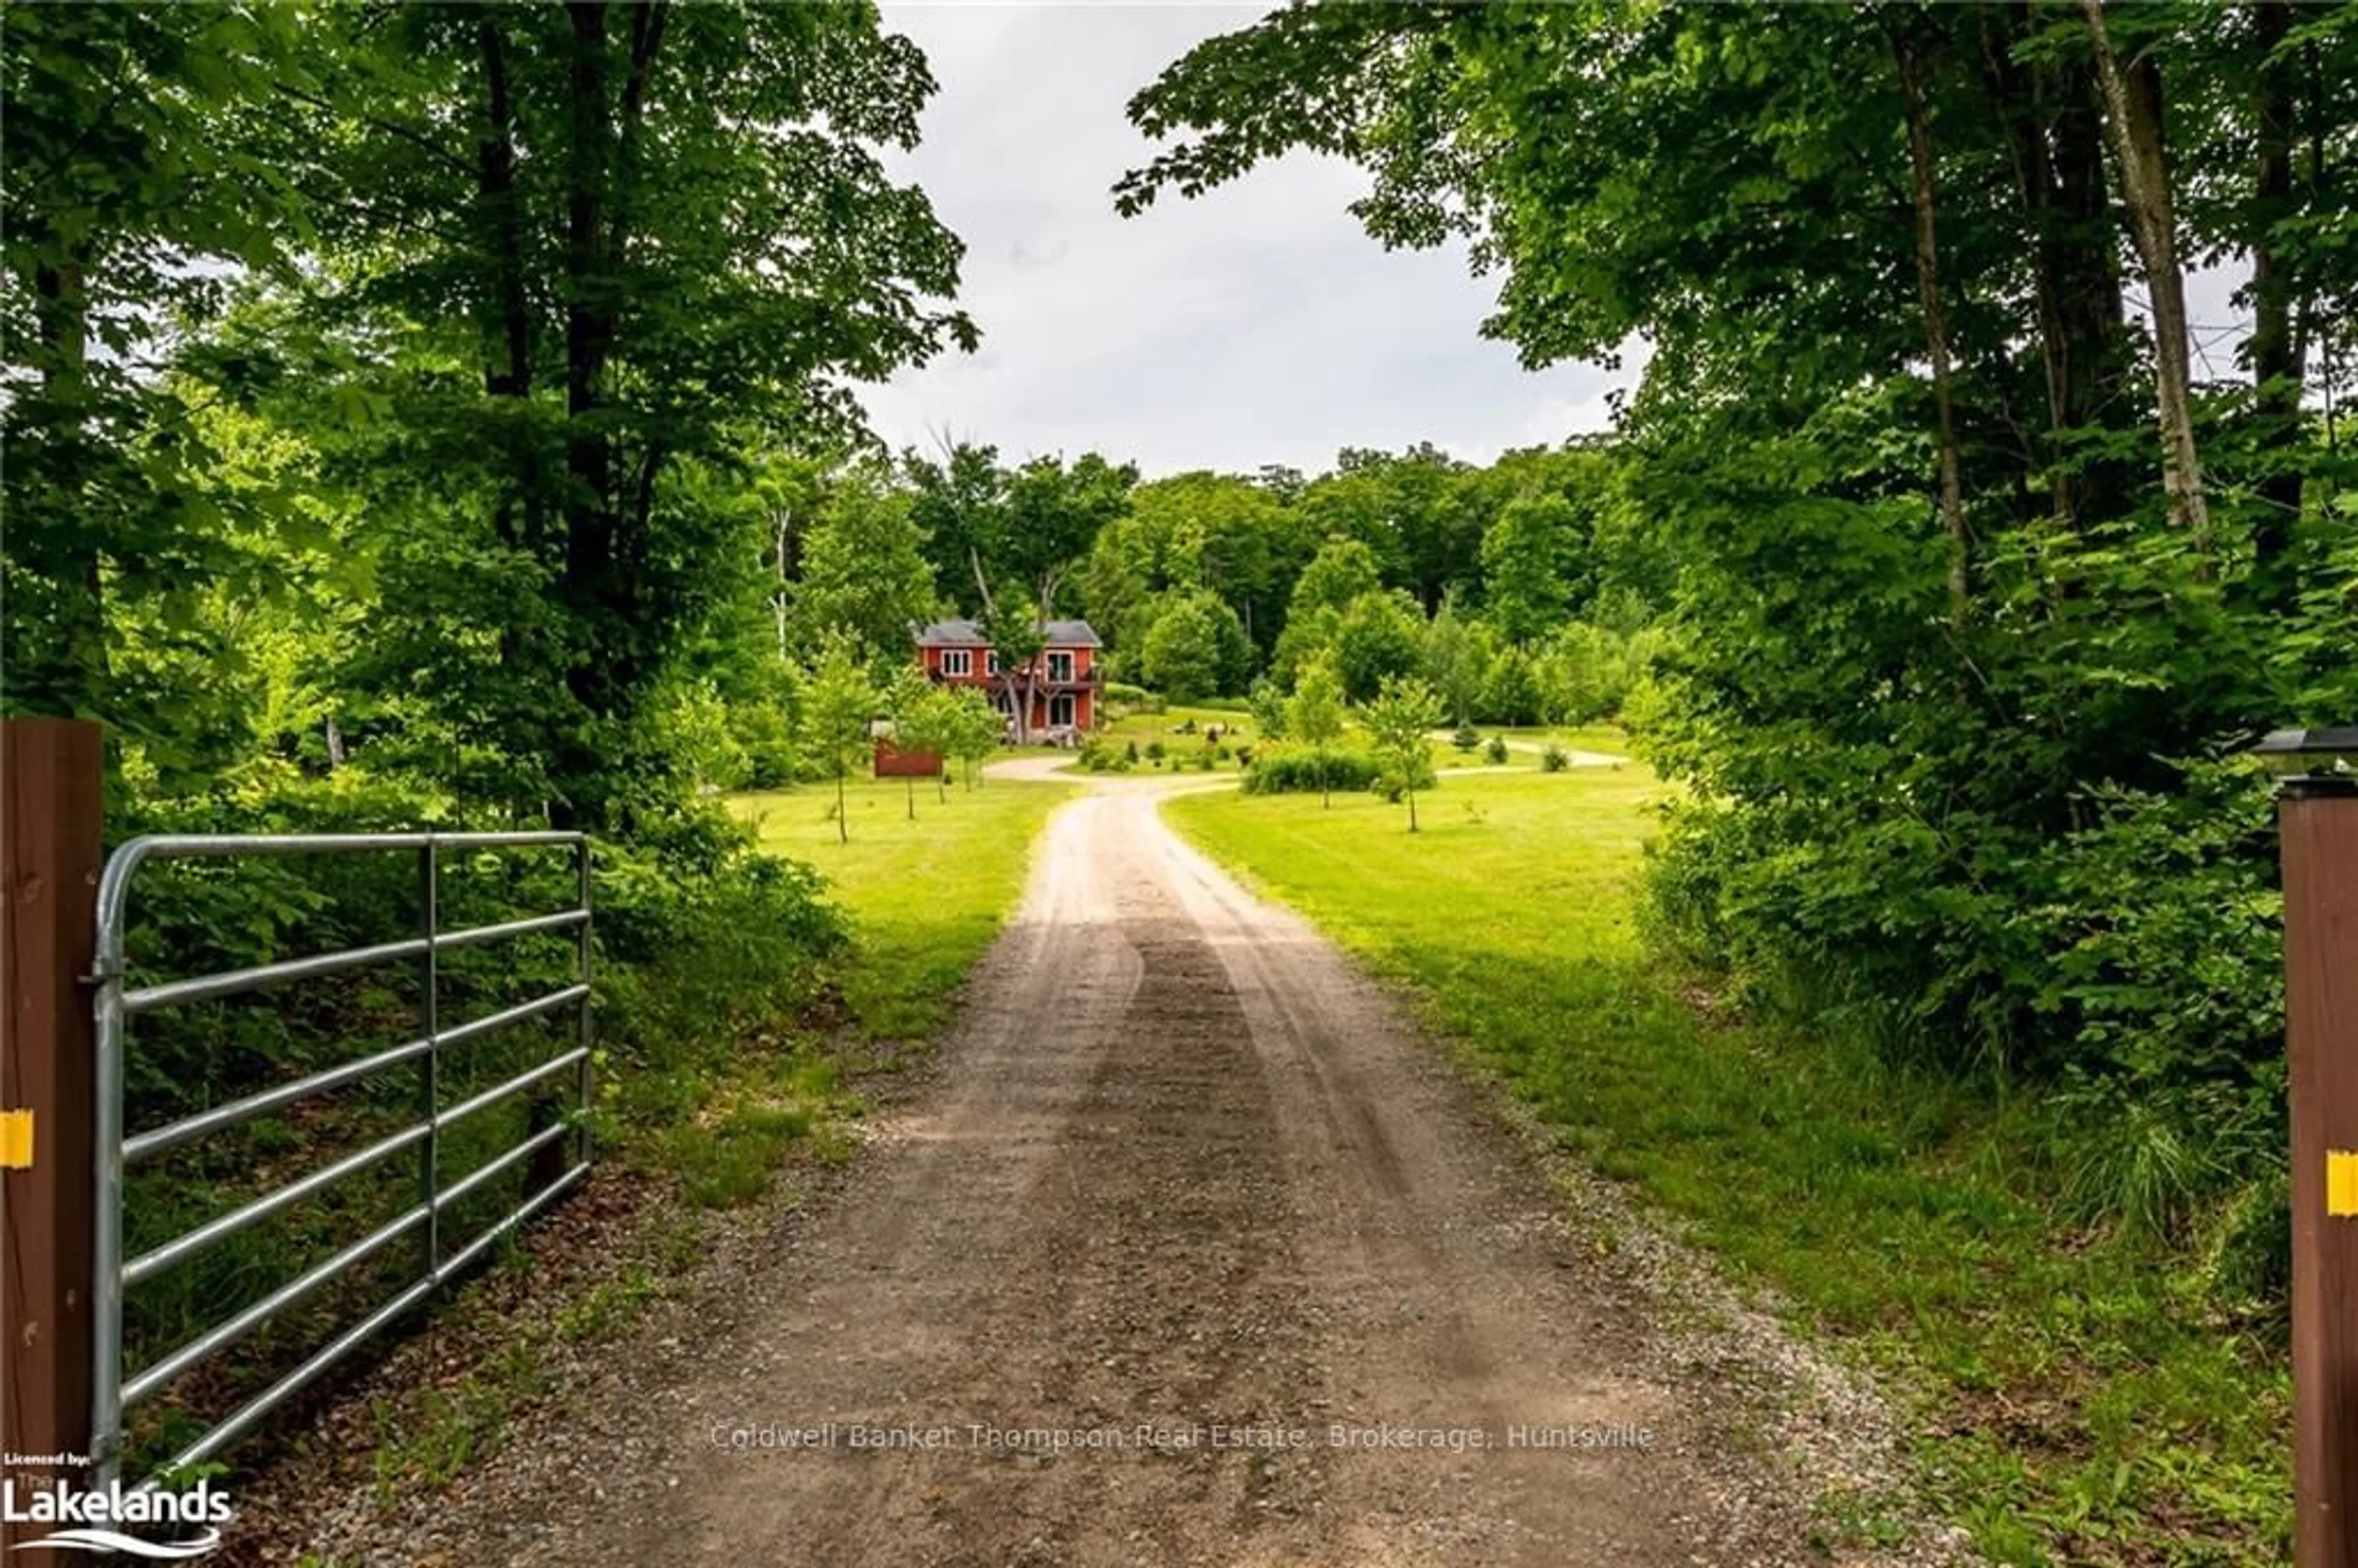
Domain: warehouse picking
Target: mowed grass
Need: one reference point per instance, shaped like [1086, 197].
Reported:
[924, 897]
[2075, 1407]
[1608, 738]
[1143, 730]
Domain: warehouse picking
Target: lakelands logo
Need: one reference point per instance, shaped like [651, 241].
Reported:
[191, 1520]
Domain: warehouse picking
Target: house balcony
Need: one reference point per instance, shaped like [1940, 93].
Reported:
[1091, 679]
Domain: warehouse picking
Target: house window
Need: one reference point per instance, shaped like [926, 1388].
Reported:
[956, 662]
[1060, 708]
[990, 663]
[1060, 667]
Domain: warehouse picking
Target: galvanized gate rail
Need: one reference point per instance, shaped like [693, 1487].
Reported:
[112, 1395]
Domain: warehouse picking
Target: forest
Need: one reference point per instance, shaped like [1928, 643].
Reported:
[446, 415]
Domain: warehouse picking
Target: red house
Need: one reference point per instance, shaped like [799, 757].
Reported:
[1062, 683]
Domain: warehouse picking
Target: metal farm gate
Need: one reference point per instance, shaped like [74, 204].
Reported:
[113, 1394]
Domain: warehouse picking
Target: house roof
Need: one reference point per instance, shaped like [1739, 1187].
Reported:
[966, 634]
[952, 635]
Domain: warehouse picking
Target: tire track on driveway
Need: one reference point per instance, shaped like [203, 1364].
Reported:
[1184, 1165]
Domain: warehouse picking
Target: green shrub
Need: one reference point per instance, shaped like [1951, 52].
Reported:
[1268, 708]
[1496, 751]
[1099, 755]
[1466, 740]
[1293, 771]
[1155, 751]
[1555, 758]
[767, 744]
[1391, 784]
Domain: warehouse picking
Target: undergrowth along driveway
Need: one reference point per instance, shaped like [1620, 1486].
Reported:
[2075, 1410]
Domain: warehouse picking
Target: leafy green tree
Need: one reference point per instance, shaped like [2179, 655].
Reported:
[1583, 672]
[934, 724]
[1269, 704]
[977, 733]
[1191, 531]
[959, 501]
[1457, 657]
[1196, 648]
[143, 174]
[1401, 720]
[1412, 510]
[1314, 716]
[1529, 559]
[1381, 635]
[593, 249]
[864, 569]
[902, 700]
[692, 725]
[1511, 692]
[1342, 572]
[839, 703]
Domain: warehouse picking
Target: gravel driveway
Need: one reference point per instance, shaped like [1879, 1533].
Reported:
[1191, 1252]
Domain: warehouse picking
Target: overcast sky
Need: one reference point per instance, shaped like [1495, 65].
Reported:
[1257, 325]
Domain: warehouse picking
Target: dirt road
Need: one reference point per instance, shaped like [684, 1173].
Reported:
[1182, 1168]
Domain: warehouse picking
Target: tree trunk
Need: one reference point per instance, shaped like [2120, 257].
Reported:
[2134, 117]
[597, 666]
[1006, 672]
[783, 522]
[2054, 129]
[69, 677]
[1936, 332]
[507, 358]
[505, 316]
[2276, 354]
[842, 812]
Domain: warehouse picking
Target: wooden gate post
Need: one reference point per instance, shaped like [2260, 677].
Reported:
[2316, 820]
[50, 856]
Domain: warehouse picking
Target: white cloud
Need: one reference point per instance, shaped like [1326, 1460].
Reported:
[1256, 325]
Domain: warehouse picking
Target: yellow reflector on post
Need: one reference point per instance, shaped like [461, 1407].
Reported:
[2340, 1182]
[16, 1139]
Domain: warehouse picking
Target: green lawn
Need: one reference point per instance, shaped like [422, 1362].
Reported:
[1144, 730]
[1525, 742]
[2076, 1410]
[1607, 738]
[924, 897]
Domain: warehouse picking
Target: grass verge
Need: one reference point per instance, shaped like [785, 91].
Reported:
[926, 894]
[2077, 1407]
